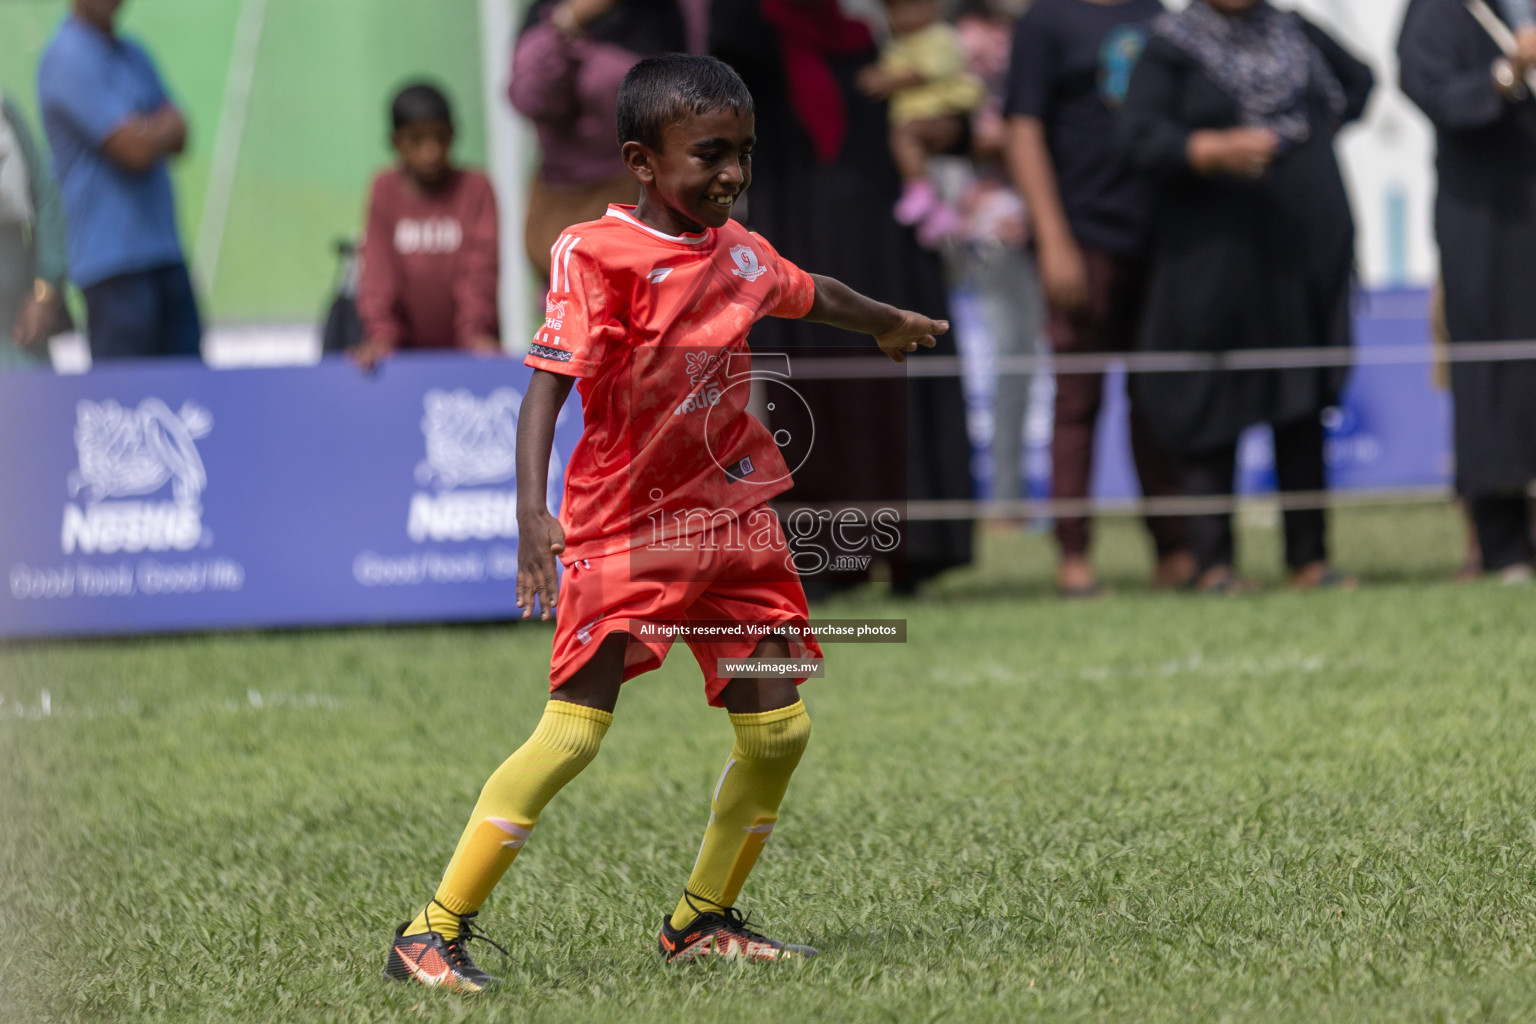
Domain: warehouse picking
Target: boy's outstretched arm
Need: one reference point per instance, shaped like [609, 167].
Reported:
[539, 536]
[896, 331]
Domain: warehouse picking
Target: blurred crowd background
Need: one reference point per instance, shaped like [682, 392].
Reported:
[256, 181]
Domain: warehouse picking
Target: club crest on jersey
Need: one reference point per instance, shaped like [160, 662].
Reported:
[747, 267]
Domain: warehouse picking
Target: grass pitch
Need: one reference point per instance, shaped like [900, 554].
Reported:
[1277, 808]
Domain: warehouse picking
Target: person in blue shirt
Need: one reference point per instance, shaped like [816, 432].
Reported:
[112, 126]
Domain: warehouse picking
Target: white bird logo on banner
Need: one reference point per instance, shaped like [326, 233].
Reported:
[125, 452]
[469, 440]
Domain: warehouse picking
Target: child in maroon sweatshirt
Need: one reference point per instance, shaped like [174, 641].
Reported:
[430, 247]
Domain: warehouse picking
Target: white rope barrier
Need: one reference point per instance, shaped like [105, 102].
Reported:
[919, 365]
[1184, 505]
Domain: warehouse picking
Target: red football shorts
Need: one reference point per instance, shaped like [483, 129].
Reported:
[726, 583]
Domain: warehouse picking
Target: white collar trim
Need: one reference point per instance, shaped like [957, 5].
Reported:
[614, 211]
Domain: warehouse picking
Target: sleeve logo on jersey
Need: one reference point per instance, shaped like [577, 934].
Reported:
[747, 267]
[554, 314]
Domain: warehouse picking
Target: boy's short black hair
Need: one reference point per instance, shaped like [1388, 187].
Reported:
[420, 103]
[662, 90]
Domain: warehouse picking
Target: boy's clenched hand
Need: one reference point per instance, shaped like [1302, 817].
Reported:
[914, 330]
[539, 540]
[897, 331]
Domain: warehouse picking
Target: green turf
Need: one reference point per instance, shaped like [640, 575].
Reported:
[1154, 808]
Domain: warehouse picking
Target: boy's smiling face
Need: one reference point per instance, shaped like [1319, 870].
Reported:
[703, 167]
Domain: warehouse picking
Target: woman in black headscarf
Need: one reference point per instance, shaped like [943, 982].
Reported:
[1485, 219]
[823, 186]
[1233, 109]
[569, 60]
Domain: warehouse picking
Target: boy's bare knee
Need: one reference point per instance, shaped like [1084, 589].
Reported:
[596, 684]
[755, 696]
[776, 646]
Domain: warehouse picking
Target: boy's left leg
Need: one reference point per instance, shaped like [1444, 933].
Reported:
[565, 742]
[772, 729]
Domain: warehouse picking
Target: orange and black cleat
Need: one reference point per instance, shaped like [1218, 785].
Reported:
[723, 935]
[437, 962]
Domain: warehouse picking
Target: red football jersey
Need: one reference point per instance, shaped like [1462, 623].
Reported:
[655, 326]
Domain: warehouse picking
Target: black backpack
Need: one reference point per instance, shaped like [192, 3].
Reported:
[343, 327]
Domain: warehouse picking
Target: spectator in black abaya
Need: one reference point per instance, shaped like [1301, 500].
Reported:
[1234, 108]
[823, 186]
[1485, 219]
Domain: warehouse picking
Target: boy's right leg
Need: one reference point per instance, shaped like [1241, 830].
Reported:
[565, 742]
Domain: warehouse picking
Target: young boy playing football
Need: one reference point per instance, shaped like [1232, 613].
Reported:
[649, 309]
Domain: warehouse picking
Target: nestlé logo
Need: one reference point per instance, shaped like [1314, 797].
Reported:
[134, 452]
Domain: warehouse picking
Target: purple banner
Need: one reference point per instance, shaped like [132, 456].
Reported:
[155, 497]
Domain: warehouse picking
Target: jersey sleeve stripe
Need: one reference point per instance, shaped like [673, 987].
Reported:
[563, 243]
[565, 263]
[554, 260]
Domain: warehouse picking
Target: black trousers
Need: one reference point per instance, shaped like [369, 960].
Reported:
[146, 313]
[1503, 525]
[1298, 467]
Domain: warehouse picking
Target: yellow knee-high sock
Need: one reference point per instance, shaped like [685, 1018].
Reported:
[745, 806]
[564, 743]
